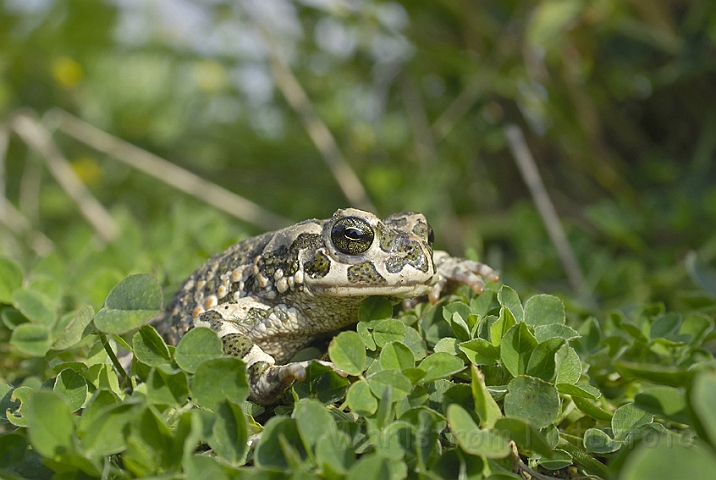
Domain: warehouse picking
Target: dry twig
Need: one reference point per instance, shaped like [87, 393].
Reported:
[528, 169]
[34, 134]
[318, 131]
[166, 171]
[21, 227]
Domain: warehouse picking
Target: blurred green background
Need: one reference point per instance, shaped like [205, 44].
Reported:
[616, 98]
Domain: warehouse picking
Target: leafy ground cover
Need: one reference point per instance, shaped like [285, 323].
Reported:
[476, 387]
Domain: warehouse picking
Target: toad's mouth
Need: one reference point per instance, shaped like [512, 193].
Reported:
[407, 290]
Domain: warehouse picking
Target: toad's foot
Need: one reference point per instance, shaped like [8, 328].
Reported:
[460, 271]
[268, 382]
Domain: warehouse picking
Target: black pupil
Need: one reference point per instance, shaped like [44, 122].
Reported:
[354, 233]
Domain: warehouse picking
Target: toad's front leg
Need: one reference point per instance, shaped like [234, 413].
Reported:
[459, 271]
[238, 324]
[267, 381]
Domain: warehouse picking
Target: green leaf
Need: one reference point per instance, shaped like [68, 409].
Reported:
[533, 400]
[400, 384]
[334, 453]
[270, 451]
[150, 444]
[592, 410]
[167, 387]
[386, 331]
[673, 377]
[558, 460]
[71, 386]
[31, 339]
[509, 299]
[105, 377]
[13, 448]
[322, 383]
[375, 308]
[10, 279]
[666, 402]
[485, 406]
[149, 348]
[202, 467]
[481, 304]
[665, 326]
[12, 317]
[396, 355]
[440, 365]
[456, 314]
[219, 379]
[702, 398]
[50, 425]
[385, 406]
[46, 287]
[634, 331]
[454, 464]
[480, 352]
[395, 440]
[546, 332]
[313, 420]
[459, 327]
[498, 329]
[516, 348]
[229, 433]
[427, 432]
[366, 336]
[347, 352]
[582, 391]
[696, 326]
[415, 342]
[675, 460]
[197, 346]
[34, 306]
[702, 276]
[130, 304]
[5, 402]
[360, 400]
[447, 345]
[101, 399]
[105, 434]
[371, 466]
[75, 330]
[542, 363]
[543, 310]
[596, 441]
[569, 366]
[19, 416]
[627, 418]
[473, 440]
[525, 435]
[461, 308]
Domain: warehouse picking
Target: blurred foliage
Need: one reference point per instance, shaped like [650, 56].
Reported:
[616, 96]
[617, 99]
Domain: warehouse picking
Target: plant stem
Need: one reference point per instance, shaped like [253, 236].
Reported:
[113, 358]
[584, 460]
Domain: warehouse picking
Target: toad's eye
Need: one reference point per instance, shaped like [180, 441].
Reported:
[431, 236]
[352, 236]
